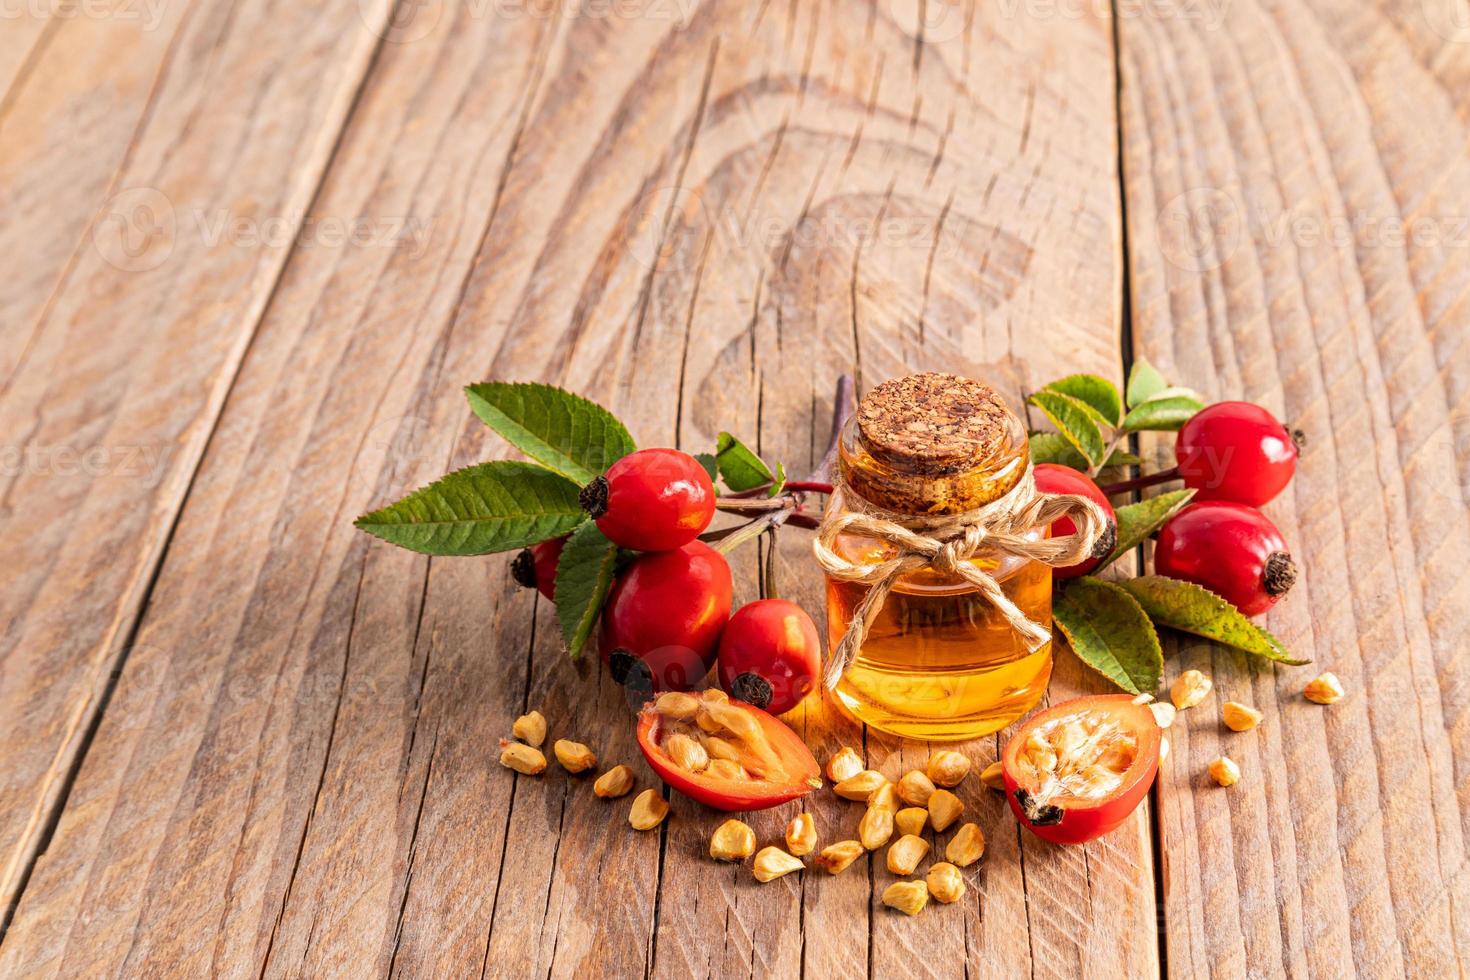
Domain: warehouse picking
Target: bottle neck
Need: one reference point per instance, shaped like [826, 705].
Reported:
[955, 488]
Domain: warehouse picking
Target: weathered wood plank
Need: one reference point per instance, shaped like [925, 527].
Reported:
[699, 223]
[113, 383]
[1296, 196]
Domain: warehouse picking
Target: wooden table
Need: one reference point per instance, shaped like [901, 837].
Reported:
[254, 250]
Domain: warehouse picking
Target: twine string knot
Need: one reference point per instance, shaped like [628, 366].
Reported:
[947, 543]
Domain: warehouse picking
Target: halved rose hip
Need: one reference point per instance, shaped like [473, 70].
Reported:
[725, 754]
[1078, 769]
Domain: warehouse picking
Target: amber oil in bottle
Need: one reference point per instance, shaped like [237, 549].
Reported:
[939, 662]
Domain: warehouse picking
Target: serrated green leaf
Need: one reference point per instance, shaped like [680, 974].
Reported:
[1050, 447]
[707, 460]
[1073, 420]
[496, 506]
[1195, 609]
[1110, 633]
[1137, 521]
[1162, 415]
[1143, 382]
[1098, 394]
[1176, 391]
[563, 432]
[740, 468]
[584, 573]
[778, 481]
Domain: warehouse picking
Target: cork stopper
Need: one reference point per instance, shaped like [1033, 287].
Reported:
[932, 423]
[933, 444]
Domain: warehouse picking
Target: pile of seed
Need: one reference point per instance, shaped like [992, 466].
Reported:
[920, 799]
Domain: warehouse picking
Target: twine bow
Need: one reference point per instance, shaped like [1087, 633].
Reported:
[946, 544]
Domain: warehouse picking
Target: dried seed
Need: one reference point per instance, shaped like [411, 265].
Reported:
[885, 797]
[732, 841]
[945, 882]
[530, 728]
[719, 748]
[613, 783]
[915, 788]
[801, 835]
[1224, 771]
[772, 863]
[522, 758]
[1163, 749]
[706, 721]
[1189, 689]
[714, 694]
[944, 809]
[966, 847]
[843, 764]
[1163, 713]
[994, 776]
[905, 854]
[574, 756]
[875, 828]
[948, 767]
[726, 769]
[909, 897]
[1324, 689]
[677, 705]
[835, 858]
[1240, 717]
[649, 810]
[1039, 752]
[911, 820]
[687, 754]
[859, 787]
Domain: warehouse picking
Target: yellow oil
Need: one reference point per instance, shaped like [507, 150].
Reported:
[940, 662]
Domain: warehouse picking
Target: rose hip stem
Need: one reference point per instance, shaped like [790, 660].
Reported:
[1163, 476]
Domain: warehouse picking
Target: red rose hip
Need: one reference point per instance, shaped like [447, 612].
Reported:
[535, 567]
[651, 500]
[1231, 549]
[770, 655]
[663, 618]
[1052, 478]
[1236, 451]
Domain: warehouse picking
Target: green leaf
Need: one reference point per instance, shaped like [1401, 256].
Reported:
[778, 481]
[1143, 382]
[1195, 609]
[707, 460]
[584, 573]
[488, 507]
[1098, 394]
[1074, 420]
[563, 432]
[741, 468]
[1050, 447]
[1162, 415]
[1110, 633]
[1176, 391]
[1137, 521]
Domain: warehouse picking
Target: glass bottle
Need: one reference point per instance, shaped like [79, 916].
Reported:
[939, 662]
